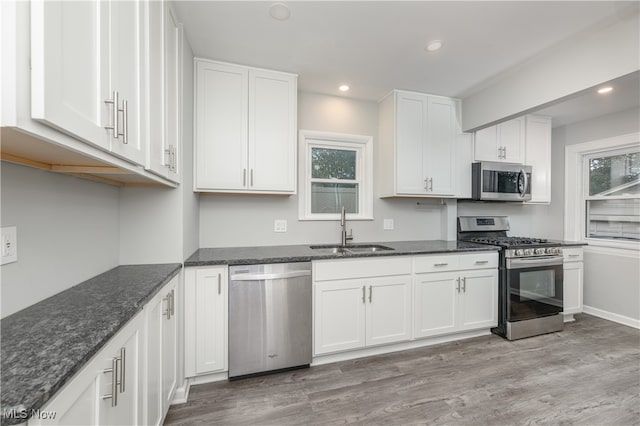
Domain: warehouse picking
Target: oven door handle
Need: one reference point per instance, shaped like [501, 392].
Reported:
[534, 262]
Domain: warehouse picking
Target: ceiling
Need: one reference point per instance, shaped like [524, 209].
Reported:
[376, 46]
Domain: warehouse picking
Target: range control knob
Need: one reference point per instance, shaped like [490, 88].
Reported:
[540, 251]
[528, 252]
[519, 252]
[557, 250]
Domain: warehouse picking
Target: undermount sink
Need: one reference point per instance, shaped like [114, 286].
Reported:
[351, 248]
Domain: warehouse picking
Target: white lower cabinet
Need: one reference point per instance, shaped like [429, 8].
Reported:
[107, 391]
[356, 313]
[132, 378]
[449, 302]
[161, 353]
[205, 320]
[573, 271]
[454, 293]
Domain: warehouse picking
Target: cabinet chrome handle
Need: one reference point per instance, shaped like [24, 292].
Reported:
[430, 184]
[426, 184]
[114, 382]
[251, 178]
[244, 177]
[574, 255]
[504, 152]
[458, 284]
[219, 283]
[173, 301]
[170, 160]
[370, 294]
[167, 311]
[364, 294]
[123, 363]
[481, 262]
[440, 264]
[114, 113]
[464, 284]
[125, 122]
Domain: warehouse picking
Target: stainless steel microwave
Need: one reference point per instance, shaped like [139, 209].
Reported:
[500, 181]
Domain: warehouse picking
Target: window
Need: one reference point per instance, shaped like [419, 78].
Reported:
[612, 195]
[336, 172]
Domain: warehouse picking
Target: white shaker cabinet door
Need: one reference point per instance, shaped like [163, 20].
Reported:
[511, 135]
[486, 144]
[170, 345]
[538, 156]
[440, 149]
[388, 316]
[339, 316]
[127, 55]
[272, 138]
[221, 129]
[70, 68]
[572, 287]
[435, 304]
[411, 125]
[478, 299]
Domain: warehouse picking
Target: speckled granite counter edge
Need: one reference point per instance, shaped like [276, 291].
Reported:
[56, 385]
[308, 258]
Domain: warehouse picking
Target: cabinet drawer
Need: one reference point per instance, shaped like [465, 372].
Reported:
[437, 263]
[361, 268]
[479, 260]
[572, 254]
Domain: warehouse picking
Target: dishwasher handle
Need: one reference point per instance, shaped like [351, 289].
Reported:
[275, 276]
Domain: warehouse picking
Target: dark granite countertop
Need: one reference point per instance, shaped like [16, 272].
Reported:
[44, 345]
[303, 253]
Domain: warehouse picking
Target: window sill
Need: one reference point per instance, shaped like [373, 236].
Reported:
[628, 246]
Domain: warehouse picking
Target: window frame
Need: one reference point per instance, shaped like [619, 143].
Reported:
[577, 187]
[363, 145]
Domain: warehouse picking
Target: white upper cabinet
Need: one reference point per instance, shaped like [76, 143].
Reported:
[504, 142]
[538, 156]
[163, 86]
[69, 62]
[245, 129]
[417, 148]
[84, 55]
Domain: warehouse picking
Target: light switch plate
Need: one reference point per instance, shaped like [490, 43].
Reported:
[280, 225]
[388, 225]
[9, 242]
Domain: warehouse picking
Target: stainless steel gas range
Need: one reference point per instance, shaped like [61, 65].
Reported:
[530, 284]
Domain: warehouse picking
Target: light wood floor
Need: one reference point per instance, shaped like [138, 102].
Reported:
[589, 374]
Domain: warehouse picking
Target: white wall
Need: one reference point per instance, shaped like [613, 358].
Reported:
[160, 225]
[595, 57]
[235, 220]
[67, 233]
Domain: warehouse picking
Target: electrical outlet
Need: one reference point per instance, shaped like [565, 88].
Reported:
[280, 225]
[9, 241]
[388, 225]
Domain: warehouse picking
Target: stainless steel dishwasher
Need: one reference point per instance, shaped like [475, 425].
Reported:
[269, 317]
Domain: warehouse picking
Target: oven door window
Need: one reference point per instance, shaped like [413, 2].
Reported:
[534, 292]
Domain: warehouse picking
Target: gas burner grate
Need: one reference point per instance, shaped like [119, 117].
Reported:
[509, 241]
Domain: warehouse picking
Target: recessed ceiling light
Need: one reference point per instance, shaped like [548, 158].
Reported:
[434, 45]
[343, 88]
[604, 90]
[279, 11]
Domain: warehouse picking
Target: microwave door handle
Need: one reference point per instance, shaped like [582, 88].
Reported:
[525, 184]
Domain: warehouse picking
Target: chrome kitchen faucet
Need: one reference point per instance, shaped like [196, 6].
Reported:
[343, 224]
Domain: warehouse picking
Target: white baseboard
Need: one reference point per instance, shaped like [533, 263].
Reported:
[182, 393]
[620, 319]
[379, 350]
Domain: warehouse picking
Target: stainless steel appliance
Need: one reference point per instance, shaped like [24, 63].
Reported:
[530, 284]
[500, 182]
[269, 317]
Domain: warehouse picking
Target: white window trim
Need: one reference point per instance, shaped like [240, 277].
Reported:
[335, 140]
[574, 166]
